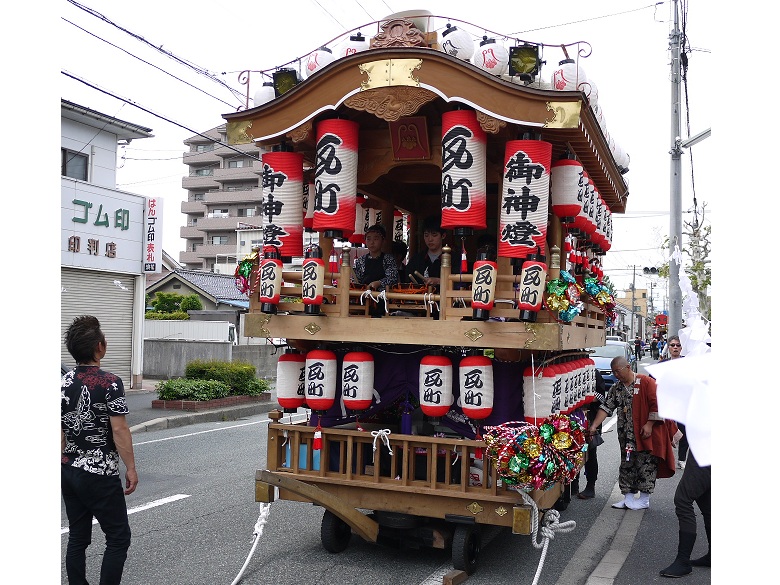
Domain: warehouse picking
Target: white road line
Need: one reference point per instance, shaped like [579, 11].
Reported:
[143, 507]
[612, 422]
[259, 422]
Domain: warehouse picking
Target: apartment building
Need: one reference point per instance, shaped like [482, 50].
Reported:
[223, 201]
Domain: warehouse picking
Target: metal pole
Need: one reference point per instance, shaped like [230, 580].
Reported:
[675, 198]
[633, 303]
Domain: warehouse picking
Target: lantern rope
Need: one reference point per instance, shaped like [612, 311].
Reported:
[382, 434]
[550, 525]
[262, 519]
[428, 298]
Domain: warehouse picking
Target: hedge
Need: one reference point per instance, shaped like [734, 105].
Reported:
[238, 376]
[181, 389]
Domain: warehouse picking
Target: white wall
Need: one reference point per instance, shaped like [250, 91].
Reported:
[100, 148]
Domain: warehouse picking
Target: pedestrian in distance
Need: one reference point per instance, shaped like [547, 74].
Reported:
[638, 348]
[675, 352]
[654, 348]
[94, 436]
[645, 438]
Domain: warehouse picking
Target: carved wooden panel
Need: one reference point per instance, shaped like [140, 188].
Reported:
[300, 133]
[398, 32]
[489, 124]
[390, 103]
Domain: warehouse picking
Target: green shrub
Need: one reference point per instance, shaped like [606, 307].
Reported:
[182, 389]
[238, 376]
[191, 303]
[175, 316]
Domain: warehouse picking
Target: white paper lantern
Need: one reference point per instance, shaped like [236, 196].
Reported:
[476, 386]
[435, 385]
[321, 370]
[457, 42]
[357, 380]
[590, 89]
[538, 393]
[264, 94]
[291, 380]
[317, 60]
[354, 44]
[492, 57]
[568, 76]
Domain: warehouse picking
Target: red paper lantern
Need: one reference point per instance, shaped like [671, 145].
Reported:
[357, 380]
[282, 207]
[321, 373]
[538, 394]
[435, 385]
[565, 176]
[270, 274]
[308, 206]
[335, 177]
[525, 198]
[533, 278]
[398, 226]
[359, 235]
[463, 186]
[312, 280]
[291, 380]
[476, 386]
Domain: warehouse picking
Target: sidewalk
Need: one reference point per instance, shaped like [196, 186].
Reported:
[143, 417]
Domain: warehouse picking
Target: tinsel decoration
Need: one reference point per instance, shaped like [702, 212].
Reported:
[563, 297]
[243, 274]
[601, 296]
[535, 458]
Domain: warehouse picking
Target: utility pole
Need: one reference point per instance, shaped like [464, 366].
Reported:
[633, 302]
[675, 196]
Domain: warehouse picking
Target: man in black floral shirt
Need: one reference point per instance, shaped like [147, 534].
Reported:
[94, 437]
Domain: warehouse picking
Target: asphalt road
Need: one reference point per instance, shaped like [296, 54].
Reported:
[193, 516]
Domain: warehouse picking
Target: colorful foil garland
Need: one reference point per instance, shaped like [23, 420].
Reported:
[536, 458]
[243, 274]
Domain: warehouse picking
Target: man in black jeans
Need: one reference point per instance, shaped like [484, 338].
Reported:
[592, 462]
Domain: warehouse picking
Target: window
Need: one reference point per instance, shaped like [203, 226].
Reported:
[176, 286]
[256, 243]
[219, 240]
[237, 164]
[204, 147]
[201, 172]
[74, 164]
[198, 196]
[219, 213]
[247, 212]
[238, 187]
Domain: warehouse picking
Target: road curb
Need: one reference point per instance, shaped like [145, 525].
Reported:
[217, 414]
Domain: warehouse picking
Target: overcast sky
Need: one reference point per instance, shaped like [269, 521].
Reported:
[629, 63]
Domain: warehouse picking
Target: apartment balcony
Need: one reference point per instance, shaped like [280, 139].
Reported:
[211, 250]
[199, 158]
[225, 151]
[239, 174]
[200, 182]
[209, 224]
[191, 232]
[193, 207]
[191, 258]
[253, 196]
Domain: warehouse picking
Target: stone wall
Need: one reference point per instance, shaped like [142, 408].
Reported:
[167, 358]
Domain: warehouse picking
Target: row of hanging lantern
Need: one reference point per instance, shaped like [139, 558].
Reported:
[559, 387]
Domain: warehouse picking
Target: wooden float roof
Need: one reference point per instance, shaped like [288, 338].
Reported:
[379, 85]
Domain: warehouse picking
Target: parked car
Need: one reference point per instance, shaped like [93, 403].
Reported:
[614, 338]
[604, 355]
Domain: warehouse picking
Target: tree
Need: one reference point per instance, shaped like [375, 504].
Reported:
[191, 303]
[167, 302]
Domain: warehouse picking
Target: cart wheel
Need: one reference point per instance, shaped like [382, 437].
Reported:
[334, 532]
[466, 544]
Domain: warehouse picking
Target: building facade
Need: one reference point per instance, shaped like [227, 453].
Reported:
[104, 238]
[223, 201]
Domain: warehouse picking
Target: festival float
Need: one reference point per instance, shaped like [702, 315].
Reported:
[461, 406]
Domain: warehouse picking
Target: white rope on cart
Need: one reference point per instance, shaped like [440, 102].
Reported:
[265, 509]
[550, 525]
[380, 297]
[381, 434]
[428, 299]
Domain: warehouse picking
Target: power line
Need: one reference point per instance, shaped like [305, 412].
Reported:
[148, 111]
[147, 62]
[329, 14]
[586, 19]
[186, 63]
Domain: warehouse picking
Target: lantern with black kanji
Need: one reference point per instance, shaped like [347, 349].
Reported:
[398, 226]
[483, 288]
[359, 235]
[435, 384]
[308, 207]
[476, 385]
[564, 184]
[291, 380]
[538, 388]
[457, 42]
[282, 208]
[321, 375]
[463, 185]
[312, 280]
[525, 199]
[533, 278]
[335, 178]
[270, 280]
[357, 380]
